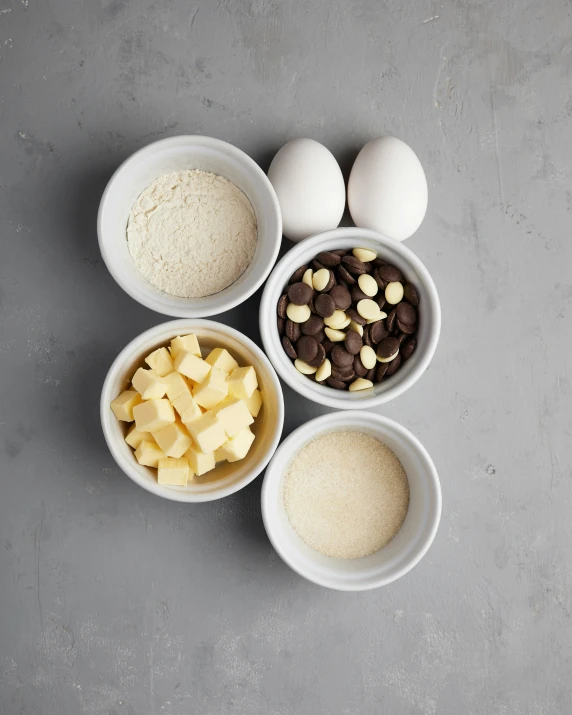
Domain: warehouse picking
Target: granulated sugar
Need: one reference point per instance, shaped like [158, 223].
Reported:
[192, 233]
[346, 494]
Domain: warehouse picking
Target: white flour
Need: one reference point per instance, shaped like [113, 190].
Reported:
[192, 233]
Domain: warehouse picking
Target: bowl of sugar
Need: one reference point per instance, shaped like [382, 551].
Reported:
[351, 501]
[189, 226]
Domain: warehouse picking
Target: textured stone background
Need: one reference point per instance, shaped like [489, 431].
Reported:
[114, 602]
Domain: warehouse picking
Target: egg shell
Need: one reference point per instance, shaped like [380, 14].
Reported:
[387, 190]
[310, 188]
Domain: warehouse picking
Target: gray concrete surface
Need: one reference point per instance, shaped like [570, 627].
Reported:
[114, 602]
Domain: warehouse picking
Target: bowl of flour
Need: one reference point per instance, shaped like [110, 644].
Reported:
[189, 226]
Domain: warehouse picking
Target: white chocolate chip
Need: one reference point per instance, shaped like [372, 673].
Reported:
[303, 367]
[298, 313]
[388, 359]
[336, 319]
[368, 309]
[364, 255]
[307, 278]
[321, 279]
[357, 327]
[360, 384]
[367, 357]
[367, 284]
[344, 325]
[374, 320]
[393, 293]
[324, 371]
[336, 336]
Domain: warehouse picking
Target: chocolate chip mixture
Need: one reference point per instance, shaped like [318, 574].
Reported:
[349, 320]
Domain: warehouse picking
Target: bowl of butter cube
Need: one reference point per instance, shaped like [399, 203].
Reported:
[192, 410]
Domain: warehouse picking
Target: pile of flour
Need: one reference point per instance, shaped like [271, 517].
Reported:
[192, 233]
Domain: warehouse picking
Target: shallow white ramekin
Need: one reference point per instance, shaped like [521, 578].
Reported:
[177, 154]
[393, 252]
[226, 478]
[402, 553]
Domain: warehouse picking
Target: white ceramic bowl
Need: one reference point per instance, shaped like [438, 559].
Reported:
[177, 154]
[402, 553]
[226, 478]
[429, 317]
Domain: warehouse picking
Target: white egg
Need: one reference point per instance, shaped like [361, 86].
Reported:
[310, 188]
[387, 190]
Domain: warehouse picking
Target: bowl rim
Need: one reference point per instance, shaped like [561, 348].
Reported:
[329, 396]
[184, 310]
[318, 426]
[135, 346]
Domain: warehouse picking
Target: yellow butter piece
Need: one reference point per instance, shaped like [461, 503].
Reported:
[161, 361]
[199, 461]
[219, 456]
[242, 382]
[192, 366]
[173, 439]
[254, 402]
[123, 405]
[134, 437]
[148, 384]
[212, 390]
[207, 432]
[149, 453]
[176, 385]
[237, 447]
[222, 360]
[234, 415]
[152, 415]
[185, 342]
[187, 408]
[173, 472]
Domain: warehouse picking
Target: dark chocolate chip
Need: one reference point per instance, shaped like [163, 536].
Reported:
[282, 305]
[380, 371]
[394, 366]
[353, 342]
[325, 305]
[380, 282]
[409, 329]
[331, 283]
[293, 330]
[341, 296]
[389, 273]
[320, 336]
[406, 313]
[329, 258]
[370, 375]
[317, 265]
[340, 252]
[281, 326]
[289, 348]
[298, 274]
[300, 293]
[320, 357]
[387, 347]
[307, 348]
[353, 265]
[358, 294]
[344, 275]
[380, 299]
[411, 295]
[368, 267]
[391, 321]
[402, 337]
[378, 331]
[312, 326]
[342, 373]
[359, 368]
[312, 306]
[378, 262]
[367, 336]
[336, 384]
[328, 345]
[355, 316]
[341, 357]
[408, 348]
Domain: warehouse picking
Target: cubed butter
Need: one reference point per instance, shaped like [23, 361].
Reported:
[254, 403]
[161, 361]
[173, 472]
[149, 453]
[222, 360]
[148, 384]
[192, 366]
[189, 343]
[123, 405]
[242, 382]
[207, 432]
[234, 415]
[219, 456]
[173, 439]
[187, 407]
[199, 461]
[134, 437]
[153, 415]
[212, 390]
[176, 385]
[237, 447]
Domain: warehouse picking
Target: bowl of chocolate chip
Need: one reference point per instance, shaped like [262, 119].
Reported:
[350, 318]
